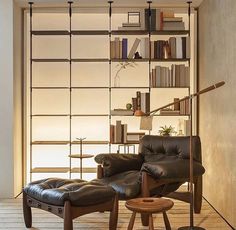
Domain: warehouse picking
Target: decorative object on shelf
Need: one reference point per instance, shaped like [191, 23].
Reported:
[189, 99]
[180, 130]
[129, 106]
[166, 131]
[122, 66]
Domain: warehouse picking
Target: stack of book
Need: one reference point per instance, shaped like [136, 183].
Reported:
[134, 138]
[184, 107]
[175, 47]
[169, 112]
[122, 112]
[141, 102]
[118, 133]
[176, 76]
[163, 20]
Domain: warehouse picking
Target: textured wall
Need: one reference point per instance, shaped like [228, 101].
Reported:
[6, 98]
[217, 62]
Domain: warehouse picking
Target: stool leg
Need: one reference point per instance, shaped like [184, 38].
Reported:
[114, 214]
[131, 222]
[144, 218]
[27, 212]
[151, 227]
[166, 220]
[68, 222]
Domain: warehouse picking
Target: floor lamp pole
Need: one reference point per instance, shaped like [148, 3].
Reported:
[191, 206]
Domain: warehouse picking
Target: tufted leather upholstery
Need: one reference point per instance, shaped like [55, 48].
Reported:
[161, 157]
[56, 191]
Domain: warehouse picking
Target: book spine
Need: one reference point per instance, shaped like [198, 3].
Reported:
[124, 48]
[138, 94]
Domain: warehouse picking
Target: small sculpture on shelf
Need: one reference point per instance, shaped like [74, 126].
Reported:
[121, 66]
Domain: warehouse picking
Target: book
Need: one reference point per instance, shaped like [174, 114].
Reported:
[138, 96]
[150, 23]
[168, 14]
[124, 133]
[112, 130]
[118, 132]
[184, 46]
[144, 47]
[112, 50]
[124, 48]
[117, 47]
[131, 24]
[177, 105]
[134, 104]
[169, 112]
[128, 28]
[187, 127]
[173, 25]
[172, 43]
[158, 19]
[172, 19]
[179, 51]
[134, 48]
[145, 102]
[121, 112]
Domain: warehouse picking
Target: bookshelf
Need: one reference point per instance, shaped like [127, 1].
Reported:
[80, 109]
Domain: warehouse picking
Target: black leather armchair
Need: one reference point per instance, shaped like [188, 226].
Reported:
[159, 169]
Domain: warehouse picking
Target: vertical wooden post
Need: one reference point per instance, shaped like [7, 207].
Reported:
[114, 214]
[145, 193]
[68, 222]
[27, 212]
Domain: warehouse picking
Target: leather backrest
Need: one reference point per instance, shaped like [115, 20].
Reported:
[155, 148]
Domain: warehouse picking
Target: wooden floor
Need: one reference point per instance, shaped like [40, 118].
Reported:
[11, 218]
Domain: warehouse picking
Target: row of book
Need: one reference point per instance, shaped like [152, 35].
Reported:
[141, 102]
[176, 76]
[175, 47]
[179, 108]
[163, 20]
[119, 134]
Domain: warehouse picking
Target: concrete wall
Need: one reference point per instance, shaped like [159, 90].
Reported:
[217, 62]
[6, 99]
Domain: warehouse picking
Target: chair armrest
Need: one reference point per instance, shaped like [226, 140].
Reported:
[172, 169]
[114, 163]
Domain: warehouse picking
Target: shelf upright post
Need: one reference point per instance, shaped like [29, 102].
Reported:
[110, 13]
[70, 140]
[149, 38]
[189, 35]
[31, 86]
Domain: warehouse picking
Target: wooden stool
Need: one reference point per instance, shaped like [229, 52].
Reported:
[149, 206]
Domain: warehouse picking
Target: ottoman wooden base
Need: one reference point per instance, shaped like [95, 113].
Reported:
[69, 212]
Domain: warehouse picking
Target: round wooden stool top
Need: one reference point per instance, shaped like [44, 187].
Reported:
[149, 205]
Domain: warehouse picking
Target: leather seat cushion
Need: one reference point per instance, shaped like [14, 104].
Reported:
[56, 191]
[172, 169]
[126, 184]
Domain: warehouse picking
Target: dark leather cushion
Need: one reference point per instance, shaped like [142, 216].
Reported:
[114, 163]
[172, 169]
[126, 184]
[56, 191]
[153, 147]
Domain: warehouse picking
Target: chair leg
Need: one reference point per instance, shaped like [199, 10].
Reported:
[198, 195]
[68, 222]
[27, 212]
[114, 214]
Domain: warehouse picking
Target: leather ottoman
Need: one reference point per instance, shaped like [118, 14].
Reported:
[69, 199]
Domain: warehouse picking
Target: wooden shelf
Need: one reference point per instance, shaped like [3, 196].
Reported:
[171, 60]
[129, 32]
[170, 32]
[50, 115]
[171, 87]
[50, 170]
[178, 115]
[128, 143]
[50, 60]
[79, 156]
[90, 32]
[91, 142]
[50, 32]
[130, 60]
[50, 142]
[130, 87]
[90, 87]
[90, 115]
[90, 60]
[84, 170]
[48, 87]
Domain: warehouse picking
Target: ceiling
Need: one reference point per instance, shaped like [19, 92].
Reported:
[118, 3]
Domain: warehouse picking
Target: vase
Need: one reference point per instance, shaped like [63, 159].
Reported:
[117, 81]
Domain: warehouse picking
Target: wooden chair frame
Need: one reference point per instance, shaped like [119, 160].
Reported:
[69, 212]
